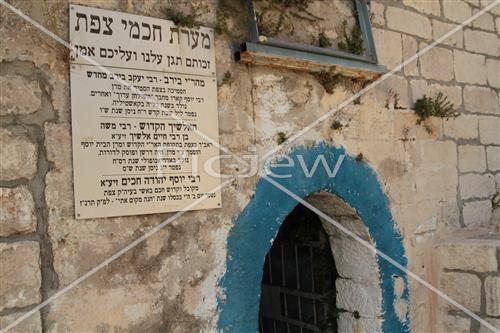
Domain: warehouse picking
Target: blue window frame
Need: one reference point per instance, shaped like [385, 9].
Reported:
[274, 52]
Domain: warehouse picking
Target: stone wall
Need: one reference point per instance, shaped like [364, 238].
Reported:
[468, 270]
[440, 182]
[358, 290]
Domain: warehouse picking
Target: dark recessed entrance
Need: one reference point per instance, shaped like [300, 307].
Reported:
[298, 286]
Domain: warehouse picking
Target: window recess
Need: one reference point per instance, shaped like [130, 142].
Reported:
[313, 36]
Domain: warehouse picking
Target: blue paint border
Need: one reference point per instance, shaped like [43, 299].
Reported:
[255, 228]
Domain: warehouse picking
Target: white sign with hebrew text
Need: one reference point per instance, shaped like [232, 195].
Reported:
[144, 115]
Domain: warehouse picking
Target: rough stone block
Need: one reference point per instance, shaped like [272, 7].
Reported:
[17, 211]
[471, 158]
[404, 126]
[485, 21]
[492, 290]
[410, 48]
[347, 323]
[439, 29]
[493, 158]
[468, 256]
[437, 64]
[419, 88]
[408, 22]
[462, 127]
[481, 100]
[347, 251]
[59, 194]
[482, 42]
[32, 324]
[19, 96]
[389, 47]
[495, 10]
[493, 69]
[493, 321]
[477, 186]
[399, 85]
[456, 324]
[377, 10]
[57, 136]
[424, 6]
[130, 306]
[469, 67]
[353, 296]
[462, 287]
[18, 156]
[489, 130]
[432, 155]
[437, 184]
[477, 213]
[20, 276]
[457, 11]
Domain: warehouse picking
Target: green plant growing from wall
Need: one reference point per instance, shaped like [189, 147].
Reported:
[182, 19]
[281, 137]
[495, 201]
[336, 125]
[227, 78]
[352, 42]
[328, 79]
[179, 18]
[323, 40]
[438, 106]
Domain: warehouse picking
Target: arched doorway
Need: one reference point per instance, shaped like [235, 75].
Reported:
[318, 279]
[298, 283]
[256, 227]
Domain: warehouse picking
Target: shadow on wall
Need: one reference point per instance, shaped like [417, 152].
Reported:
[255, 228]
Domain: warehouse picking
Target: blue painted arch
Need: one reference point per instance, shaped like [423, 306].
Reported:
[255, 228]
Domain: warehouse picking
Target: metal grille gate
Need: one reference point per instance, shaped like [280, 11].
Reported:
[298, 286]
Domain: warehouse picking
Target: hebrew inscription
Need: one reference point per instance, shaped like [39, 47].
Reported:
[142, 90]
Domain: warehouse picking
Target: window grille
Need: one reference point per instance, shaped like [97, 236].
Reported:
[298, 285]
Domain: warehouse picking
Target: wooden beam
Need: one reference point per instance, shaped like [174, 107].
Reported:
[278, 57]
